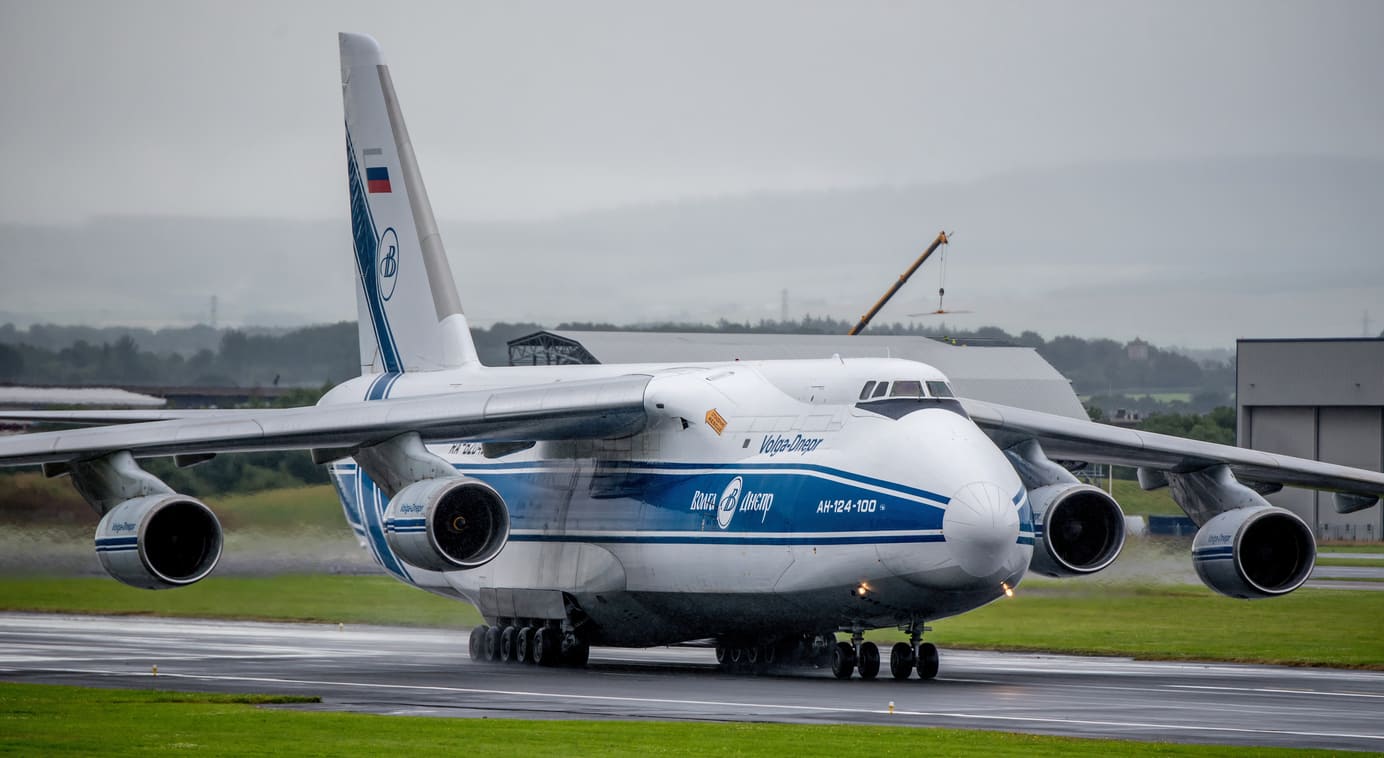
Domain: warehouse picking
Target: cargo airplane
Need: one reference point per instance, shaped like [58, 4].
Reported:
[763, 506]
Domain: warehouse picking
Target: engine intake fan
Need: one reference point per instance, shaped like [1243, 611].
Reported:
[447, 524]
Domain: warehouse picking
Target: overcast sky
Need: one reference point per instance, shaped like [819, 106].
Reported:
[526, 111]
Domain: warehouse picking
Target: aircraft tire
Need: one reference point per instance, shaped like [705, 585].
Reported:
[867, 661]
[492, 644]
[901, 660]
[843, 660]
[525, 645]
[545, 646]
[509, 644]
[928, 661]
[723, 656]
[477, 646]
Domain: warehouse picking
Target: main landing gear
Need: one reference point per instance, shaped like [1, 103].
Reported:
[904, 657]
[541, 644]
[786, 652]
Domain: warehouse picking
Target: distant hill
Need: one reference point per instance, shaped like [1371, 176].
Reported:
[1183, 252]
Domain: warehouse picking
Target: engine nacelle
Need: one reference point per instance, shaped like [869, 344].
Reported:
[1254, 552]
[1078, 529]
[159, 541]
[447, 524]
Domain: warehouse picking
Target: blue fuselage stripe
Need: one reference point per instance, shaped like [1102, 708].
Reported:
[640, 502]
[696, 539]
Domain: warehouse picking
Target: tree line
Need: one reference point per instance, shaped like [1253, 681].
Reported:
[314, 358]
[1111, 371]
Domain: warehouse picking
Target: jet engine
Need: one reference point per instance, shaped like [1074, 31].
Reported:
[447, 524]
[159, 541]
[1079, 529]
[1254, 552]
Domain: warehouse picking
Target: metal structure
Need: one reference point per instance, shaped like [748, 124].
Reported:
[1321, 399]
[548, 349]
[1006, 374]
[903, 278]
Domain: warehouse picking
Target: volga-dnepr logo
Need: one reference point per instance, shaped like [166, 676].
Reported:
[730, 498]
[387, 263]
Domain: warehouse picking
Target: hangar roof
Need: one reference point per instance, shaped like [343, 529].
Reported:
[33, 397]
[1008, 375]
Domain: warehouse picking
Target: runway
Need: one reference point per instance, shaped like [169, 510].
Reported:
[428, 673]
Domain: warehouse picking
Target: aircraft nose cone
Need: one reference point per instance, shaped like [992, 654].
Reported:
[982, 527]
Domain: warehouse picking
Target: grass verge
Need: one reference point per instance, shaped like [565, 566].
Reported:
[294, 597]
[1350, 547]
[1310, 627]
[53, 720]
[1359, 562]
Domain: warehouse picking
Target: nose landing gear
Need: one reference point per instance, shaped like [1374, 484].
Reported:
[904, 657]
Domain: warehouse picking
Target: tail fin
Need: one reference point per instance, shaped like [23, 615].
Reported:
[410, 316]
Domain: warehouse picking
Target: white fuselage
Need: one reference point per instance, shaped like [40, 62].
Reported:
[760, 497]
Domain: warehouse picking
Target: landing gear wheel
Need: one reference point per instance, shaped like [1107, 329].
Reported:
[927, 661]
[477, 646]
[509, 645]
[492, 644]
[546, 646]
[843, 660]
[868, 661]
[524, 645]
[723, 656]
[901, 660]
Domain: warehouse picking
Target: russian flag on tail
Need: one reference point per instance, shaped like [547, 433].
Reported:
[376, 173]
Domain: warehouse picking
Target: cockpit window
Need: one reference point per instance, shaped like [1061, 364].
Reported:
[907, 388]
[880, 389]
[865, 393]
[939, 389]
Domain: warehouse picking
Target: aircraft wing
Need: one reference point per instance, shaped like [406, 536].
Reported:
[119, 416]
[1066, 438]
[591, 409]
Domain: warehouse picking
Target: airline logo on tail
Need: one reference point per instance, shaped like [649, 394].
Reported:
[387, 267]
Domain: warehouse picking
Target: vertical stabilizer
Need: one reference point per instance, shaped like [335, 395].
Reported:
[410, 316]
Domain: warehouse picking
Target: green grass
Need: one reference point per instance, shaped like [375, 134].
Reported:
[1135, 501]
[1309, 627]
[52, 720]
[1354, 547]
[324, 598]
[1361, 562]
[1162, 397]
[313, 507]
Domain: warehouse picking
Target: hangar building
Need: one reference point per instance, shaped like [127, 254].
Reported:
[1321, 399]
[1001, 374]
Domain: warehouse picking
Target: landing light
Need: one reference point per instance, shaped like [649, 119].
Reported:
[862, 590]
[1008, 591]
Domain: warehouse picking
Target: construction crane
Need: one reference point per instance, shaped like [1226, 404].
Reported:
[865, 320]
